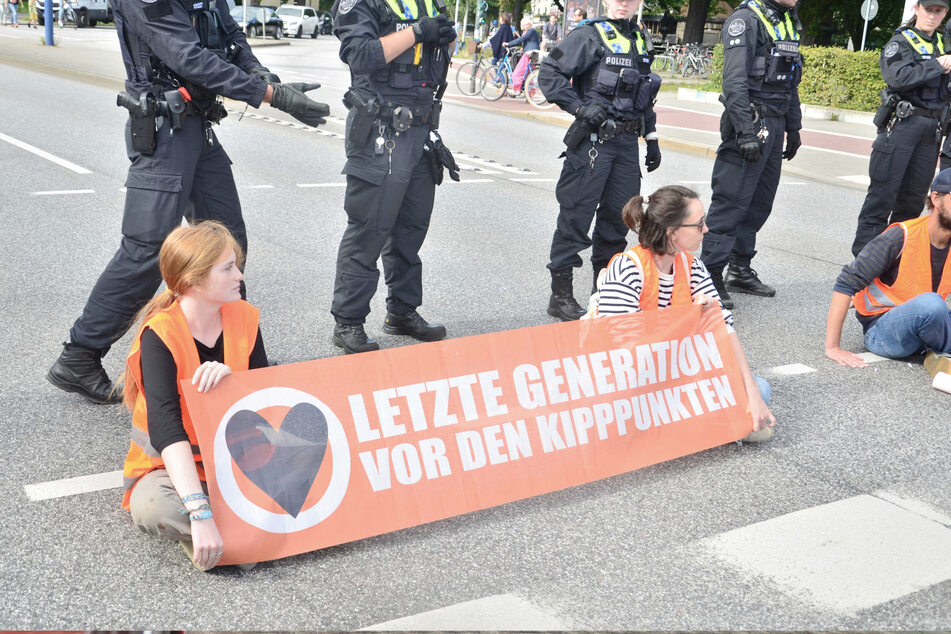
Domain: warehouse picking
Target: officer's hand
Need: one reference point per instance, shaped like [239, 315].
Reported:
[592, 113]
[945, 61]
[291, 99]
[438, 30]
[652, 160]
[793, 142]
[265, 74]
[749, 146]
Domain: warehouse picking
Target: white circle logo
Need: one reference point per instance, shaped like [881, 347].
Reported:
[737, 27]
[336, 440]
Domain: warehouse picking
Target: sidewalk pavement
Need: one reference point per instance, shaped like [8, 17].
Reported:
[836, 143]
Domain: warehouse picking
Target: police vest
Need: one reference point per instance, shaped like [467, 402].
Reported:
[914, 274]
[420, 66]
[211, 36]
[239, 322]
[643, 259]
[777, 66]
[933, 90]
[622, 79]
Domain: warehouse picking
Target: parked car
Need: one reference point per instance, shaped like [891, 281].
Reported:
[88, 12]
[299, 20]
[262, 21]
[326, 23]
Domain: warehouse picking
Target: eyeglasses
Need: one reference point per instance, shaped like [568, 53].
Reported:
[699, 225]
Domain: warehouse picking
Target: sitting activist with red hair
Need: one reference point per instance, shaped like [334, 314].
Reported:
[899, 283]
[660, 271]
[197, 329]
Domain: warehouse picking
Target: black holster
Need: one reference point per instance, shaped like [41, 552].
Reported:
[175, 107]
[142, 112]
[886, 110]
[577, 132]
[365, 113]
[440, 157]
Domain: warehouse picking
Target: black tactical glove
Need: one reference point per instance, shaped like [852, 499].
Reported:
[265, 74]
[291, 99]
[438, 30]
[749, 146]
[652, 160]
[793, 142]
[592, 113]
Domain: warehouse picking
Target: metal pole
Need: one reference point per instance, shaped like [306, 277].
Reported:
[864, 31]
[244, 11]
[48, 21]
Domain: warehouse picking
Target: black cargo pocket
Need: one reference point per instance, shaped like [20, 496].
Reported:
[152, 205]
[880, 162]
[364, 191]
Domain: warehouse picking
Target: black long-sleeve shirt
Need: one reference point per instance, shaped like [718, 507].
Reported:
[906, 70]
[160, 383]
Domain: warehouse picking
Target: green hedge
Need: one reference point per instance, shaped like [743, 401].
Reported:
[833, 77]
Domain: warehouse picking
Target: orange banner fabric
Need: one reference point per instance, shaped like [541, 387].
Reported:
[309, 455]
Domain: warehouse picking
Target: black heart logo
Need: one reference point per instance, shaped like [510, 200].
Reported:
[281, 462]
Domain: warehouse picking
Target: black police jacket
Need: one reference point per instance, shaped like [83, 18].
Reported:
[569, 75]
[747, 49]
[910, 68]
[162, 30]
[409, 80]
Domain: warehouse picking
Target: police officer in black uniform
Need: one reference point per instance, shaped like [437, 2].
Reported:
[398, 53]
[762, 67]
[915, 68]
[600, 73]
[179, 55]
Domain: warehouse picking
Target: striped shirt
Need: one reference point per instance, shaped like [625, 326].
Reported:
[620, 289]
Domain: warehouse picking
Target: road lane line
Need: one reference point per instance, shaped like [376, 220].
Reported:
[46, 155]
[261, 187]
[306, 185]
[64, 192]
[472, 180]
[792, 369]
[533, 180]
[74, 486]
[493, 165]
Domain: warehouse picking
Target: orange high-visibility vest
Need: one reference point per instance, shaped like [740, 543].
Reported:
[239, 322]
[650, 286]
[914, 273]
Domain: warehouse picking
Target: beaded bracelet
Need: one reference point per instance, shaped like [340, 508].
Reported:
[191, 497]
[202, 514]
[200, 507]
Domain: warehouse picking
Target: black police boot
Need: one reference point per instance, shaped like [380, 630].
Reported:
[743, 279]
[717, 278]
[562, 303]
[353, 339]
[414, 325]
[79, 369]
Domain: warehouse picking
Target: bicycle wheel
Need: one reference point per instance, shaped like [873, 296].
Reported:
[706, 69]
[467, 79]
[495, 83]
[659, 64]
[533, 94]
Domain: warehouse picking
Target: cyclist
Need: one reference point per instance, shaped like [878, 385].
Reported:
[530, 40]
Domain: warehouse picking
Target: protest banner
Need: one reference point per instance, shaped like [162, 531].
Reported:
[308, 455]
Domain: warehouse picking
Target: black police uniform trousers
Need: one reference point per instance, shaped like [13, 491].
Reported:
[387, 214]
[742, 199]
[184, 177]
[900, 169]
[599, 192]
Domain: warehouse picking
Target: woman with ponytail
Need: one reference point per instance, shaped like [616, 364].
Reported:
[197, 329]
[660, 271]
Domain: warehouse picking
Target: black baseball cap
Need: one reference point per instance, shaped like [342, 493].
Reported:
[933, 3]
[942, 182]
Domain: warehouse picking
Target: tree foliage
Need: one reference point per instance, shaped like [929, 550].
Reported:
[833, 22]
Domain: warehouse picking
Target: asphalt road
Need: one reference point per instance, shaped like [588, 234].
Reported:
[840, 522]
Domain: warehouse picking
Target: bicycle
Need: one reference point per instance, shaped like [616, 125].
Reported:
[497, 78]
[469, 75]
[68, 17]
[533, 94]
[698, 61]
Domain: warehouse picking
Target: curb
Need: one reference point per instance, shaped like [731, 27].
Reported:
[809, 111]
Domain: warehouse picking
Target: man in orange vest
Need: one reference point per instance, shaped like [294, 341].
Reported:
[899, 283]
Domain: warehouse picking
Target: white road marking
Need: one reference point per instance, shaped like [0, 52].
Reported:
[64, 192]
[501, 612]
[471, 180]
[871, 357]
[494, 165]
[693, 182]
[792, 369]
[846, 556]
[473, 168]
[533, 180]
[74, 486]
[46, 155]
[261, 187]
[861, 179]
[305, 185]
